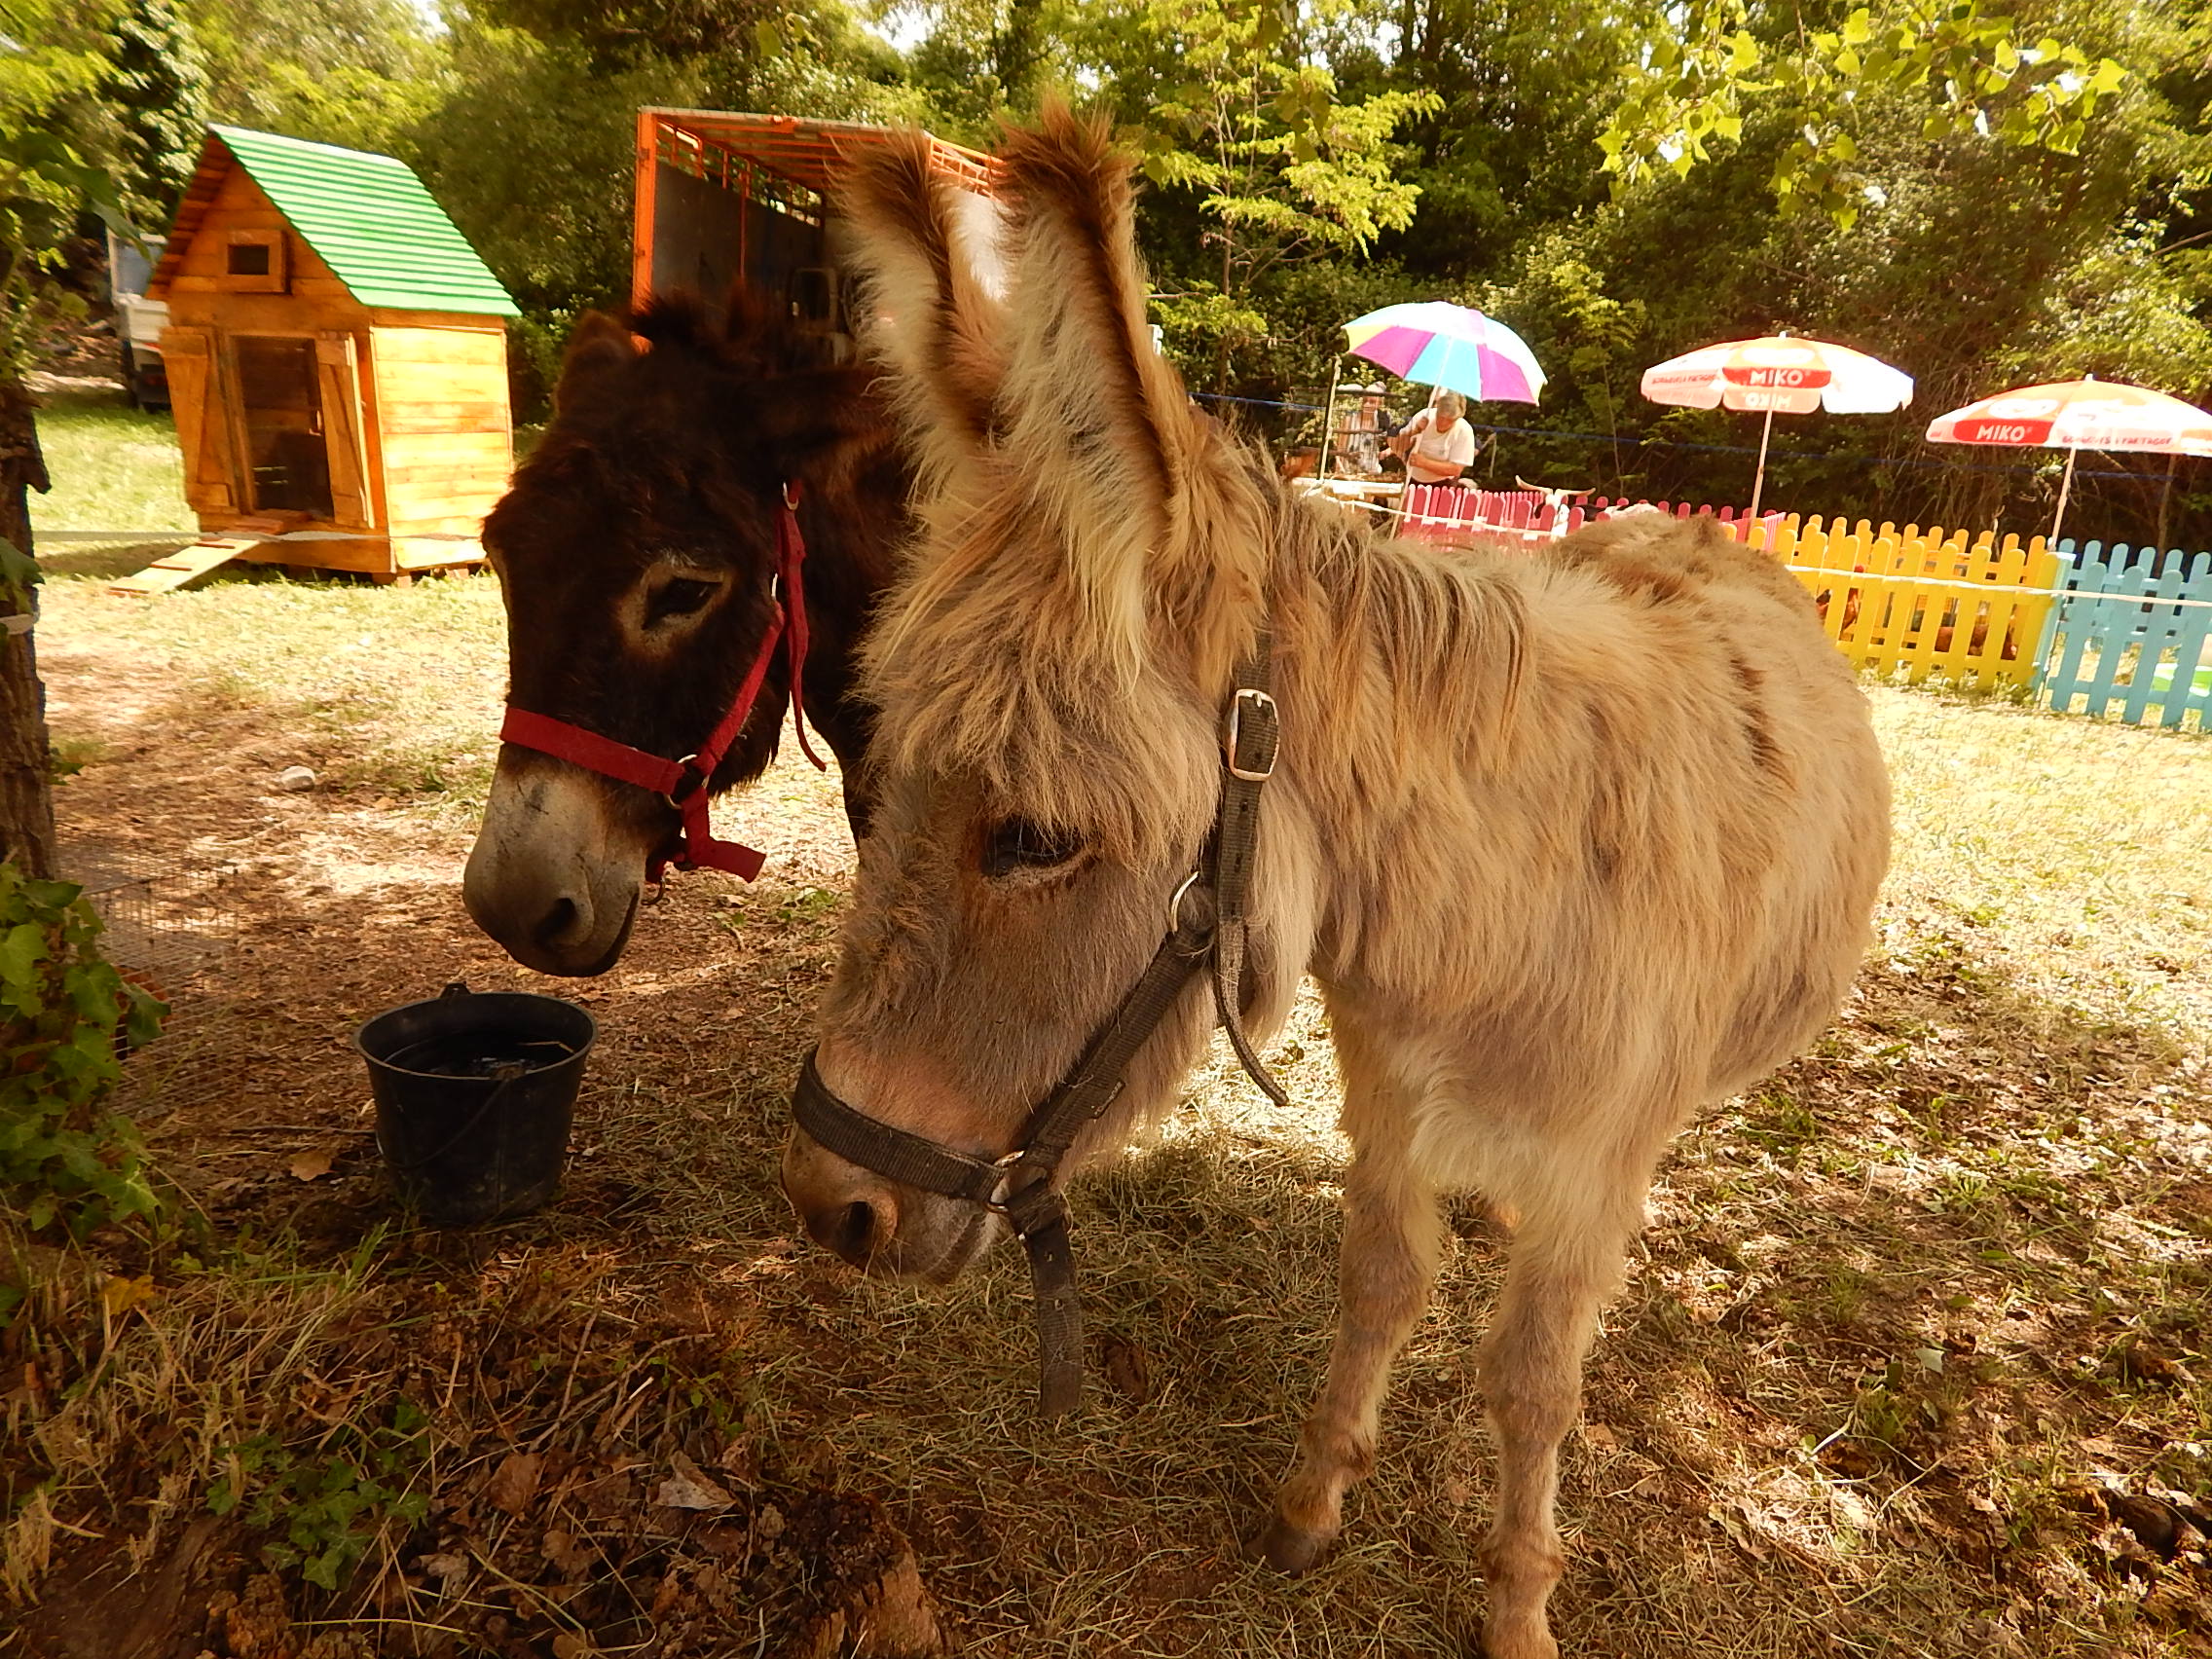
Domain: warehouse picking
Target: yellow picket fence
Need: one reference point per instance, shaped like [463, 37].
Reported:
[1936, 604]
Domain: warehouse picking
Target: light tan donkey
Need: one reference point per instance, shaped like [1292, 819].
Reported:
[1574, 840]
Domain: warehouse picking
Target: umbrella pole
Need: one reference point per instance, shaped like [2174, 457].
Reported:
[1329, 419]
[1758, 480]
[2065, 485]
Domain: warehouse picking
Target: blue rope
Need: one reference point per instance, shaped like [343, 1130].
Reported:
[1772, 455]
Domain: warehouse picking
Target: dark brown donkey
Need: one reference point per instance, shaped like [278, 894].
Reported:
[639, 552]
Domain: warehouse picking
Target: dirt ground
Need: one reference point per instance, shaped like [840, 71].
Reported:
[1916, 1360]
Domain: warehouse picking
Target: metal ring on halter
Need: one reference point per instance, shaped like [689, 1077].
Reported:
[699, 781]
[1175, 904]
[996, 1202]
[791, 502]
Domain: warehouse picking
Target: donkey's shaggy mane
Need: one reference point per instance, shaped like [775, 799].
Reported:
[644, 429]
[1404, 633]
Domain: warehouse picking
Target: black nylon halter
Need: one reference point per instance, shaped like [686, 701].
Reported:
[1019, 1184]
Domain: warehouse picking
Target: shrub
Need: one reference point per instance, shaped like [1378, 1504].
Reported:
[67, 1017]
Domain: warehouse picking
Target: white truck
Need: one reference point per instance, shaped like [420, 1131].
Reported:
[139, 325]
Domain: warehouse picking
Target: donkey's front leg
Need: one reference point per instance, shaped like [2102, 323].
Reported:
[1531, 1375]
[1393, 1232]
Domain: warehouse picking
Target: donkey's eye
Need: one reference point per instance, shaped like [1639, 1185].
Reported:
[681, 597]
[1018, 844]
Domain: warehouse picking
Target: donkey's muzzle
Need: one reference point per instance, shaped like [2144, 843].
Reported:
[553, 877]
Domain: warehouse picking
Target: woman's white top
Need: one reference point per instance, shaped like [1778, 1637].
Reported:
[1455, 443]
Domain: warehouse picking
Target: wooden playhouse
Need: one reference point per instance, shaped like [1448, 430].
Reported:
[723, 195]
[337, 361]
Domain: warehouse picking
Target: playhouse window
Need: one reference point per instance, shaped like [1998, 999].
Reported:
[253, 262]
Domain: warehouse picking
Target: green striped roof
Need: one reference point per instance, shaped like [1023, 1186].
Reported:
[372, 223]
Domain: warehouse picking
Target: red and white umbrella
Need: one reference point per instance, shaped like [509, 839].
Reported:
[2074, 415]
[1790, 373]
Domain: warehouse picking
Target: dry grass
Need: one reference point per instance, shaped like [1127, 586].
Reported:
[1917, 1360]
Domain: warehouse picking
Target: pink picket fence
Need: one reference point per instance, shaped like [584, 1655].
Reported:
[1444, 512]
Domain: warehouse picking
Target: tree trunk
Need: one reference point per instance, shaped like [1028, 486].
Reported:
[27, 784]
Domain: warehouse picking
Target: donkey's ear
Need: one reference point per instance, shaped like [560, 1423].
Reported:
[598, 345]
[913, 237]
[1096, 420]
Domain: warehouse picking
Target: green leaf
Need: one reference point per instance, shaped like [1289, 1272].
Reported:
[22, 950]
[19, 573]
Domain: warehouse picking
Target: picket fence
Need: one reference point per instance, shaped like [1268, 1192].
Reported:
[2116, 633]
[2112, 651]
[1923, 604]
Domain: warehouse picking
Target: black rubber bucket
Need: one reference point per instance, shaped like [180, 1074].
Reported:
[473, 1096]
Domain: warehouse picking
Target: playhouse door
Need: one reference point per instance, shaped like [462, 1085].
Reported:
[281, 406]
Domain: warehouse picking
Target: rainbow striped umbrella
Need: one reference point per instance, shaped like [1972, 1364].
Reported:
[1446, 344]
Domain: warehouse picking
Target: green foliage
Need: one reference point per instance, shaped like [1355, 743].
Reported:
[19, 574]
[159, 87]
[624, 31]
[1974, 75]
[53, 57]
[324, 1510]
[1594, 342]
[982, 59]
[65, 1016]
[44, 184]
[351, 72]
[1253, 126]
[52, 162]
[532, 155]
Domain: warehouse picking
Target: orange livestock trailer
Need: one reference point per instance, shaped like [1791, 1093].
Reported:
[724, 196]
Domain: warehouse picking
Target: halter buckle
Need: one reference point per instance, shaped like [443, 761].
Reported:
[1263, 708]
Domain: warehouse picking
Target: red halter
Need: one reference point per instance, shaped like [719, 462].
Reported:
[683, 784]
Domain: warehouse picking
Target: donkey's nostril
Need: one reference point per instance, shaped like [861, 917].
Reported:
[858, 1232]
[558, 923]
[853, 1235]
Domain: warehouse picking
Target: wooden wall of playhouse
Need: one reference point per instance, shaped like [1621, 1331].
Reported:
[412, 405]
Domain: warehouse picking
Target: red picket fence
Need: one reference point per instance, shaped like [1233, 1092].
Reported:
[1445, 512]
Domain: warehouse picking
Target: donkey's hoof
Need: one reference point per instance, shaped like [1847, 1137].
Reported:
[1290, 1549]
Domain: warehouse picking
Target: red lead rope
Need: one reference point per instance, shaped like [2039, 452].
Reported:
[684, 783]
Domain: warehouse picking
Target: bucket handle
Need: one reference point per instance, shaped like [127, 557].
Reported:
[502, 1077]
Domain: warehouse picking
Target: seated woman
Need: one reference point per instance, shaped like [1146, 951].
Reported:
[1360, 435]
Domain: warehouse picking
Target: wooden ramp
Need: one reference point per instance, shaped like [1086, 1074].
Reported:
[172, 571]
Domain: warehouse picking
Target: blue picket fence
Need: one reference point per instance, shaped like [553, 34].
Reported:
[2129, 635]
